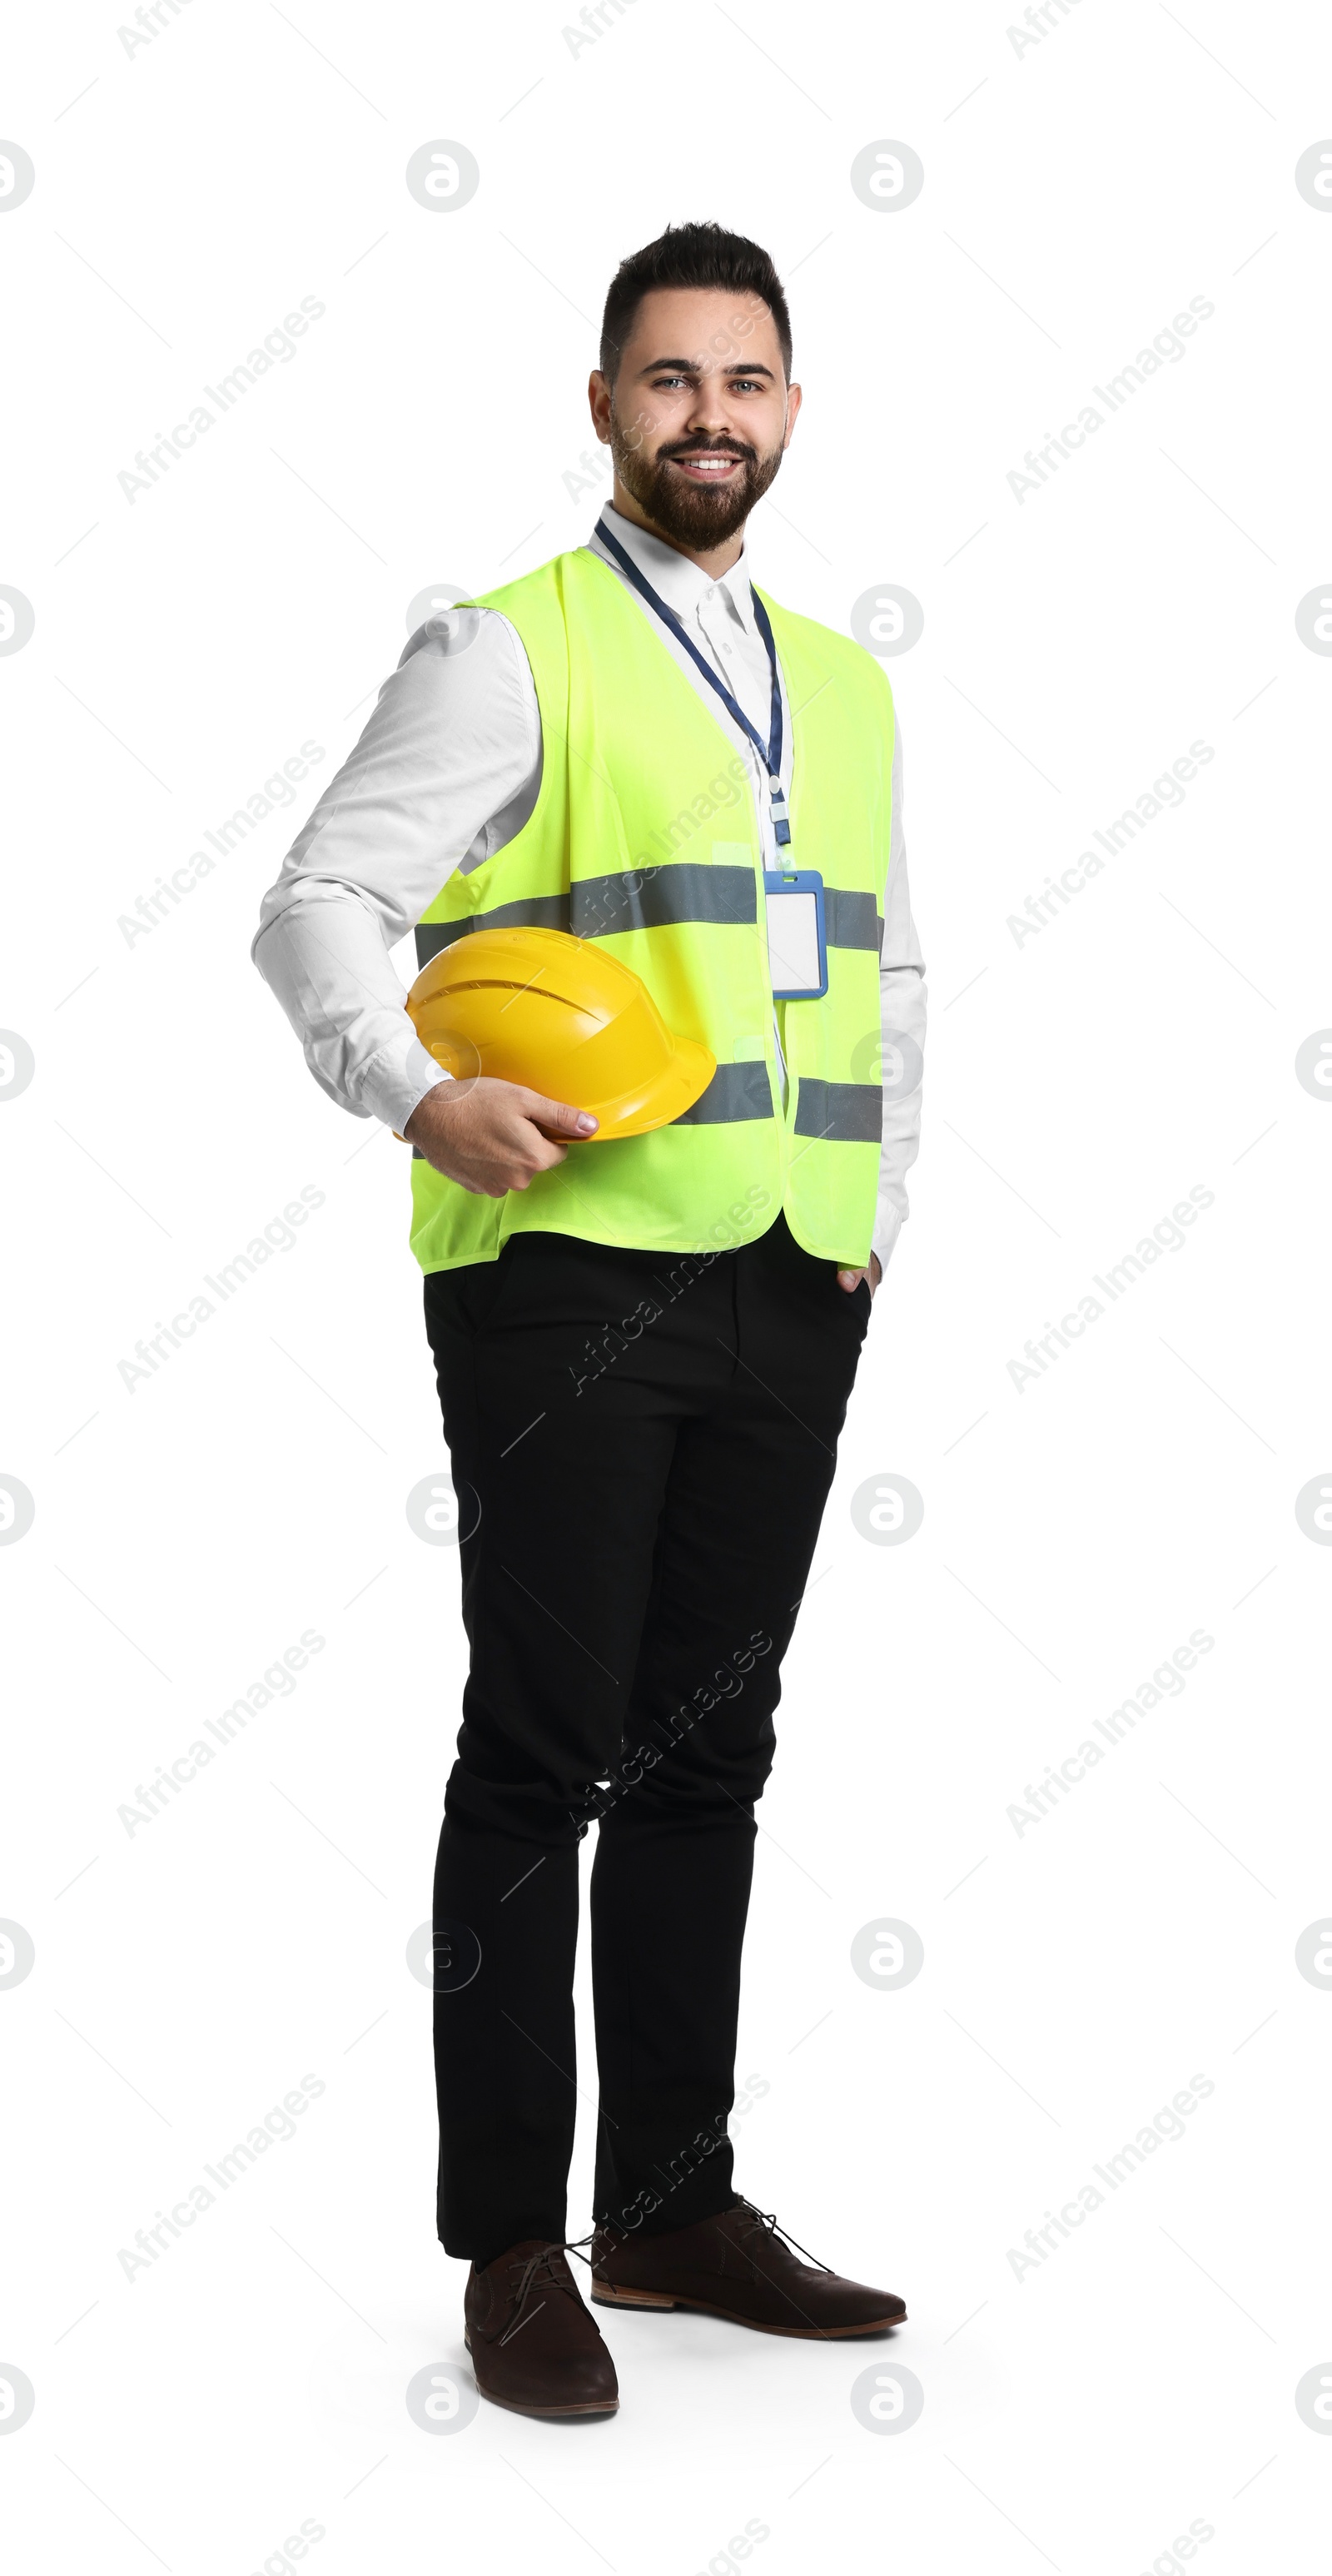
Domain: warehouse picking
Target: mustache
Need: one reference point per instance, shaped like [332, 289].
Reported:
[711, 447]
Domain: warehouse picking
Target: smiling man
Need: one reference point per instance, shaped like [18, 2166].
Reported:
[644, 1348]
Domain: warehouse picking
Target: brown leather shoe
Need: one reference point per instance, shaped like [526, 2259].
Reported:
[736, 2266]
[534, 2347]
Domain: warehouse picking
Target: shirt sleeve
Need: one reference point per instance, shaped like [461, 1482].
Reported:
[902, 1017]
[446, 771]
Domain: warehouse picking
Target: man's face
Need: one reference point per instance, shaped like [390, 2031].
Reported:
[699, 413]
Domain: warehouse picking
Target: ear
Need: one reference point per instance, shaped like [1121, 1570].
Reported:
[599, 404]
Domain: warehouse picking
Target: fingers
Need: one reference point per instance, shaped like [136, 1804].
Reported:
[558, 1116]
[543, 1158]
[498, 1136]
[849, 1279]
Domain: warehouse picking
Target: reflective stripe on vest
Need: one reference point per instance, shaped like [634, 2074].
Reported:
[850, 1112]
[644, 833]
[736, 1091]
[596, 906]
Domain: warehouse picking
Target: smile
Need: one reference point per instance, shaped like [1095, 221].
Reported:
[705, 467]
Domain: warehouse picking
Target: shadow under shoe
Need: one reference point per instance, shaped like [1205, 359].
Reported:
[534, 2346]
[738, 2265]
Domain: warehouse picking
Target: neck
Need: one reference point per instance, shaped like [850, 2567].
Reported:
[711, 559]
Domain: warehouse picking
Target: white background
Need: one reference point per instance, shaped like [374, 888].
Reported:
[1077, 195]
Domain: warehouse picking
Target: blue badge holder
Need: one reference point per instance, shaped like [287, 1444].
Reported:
[800, 881]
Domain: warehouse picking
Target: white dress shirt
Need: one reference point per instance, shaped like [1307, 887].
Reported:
[446, 773]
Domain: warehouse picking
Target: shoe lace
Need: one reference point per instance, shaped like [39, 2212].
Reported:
[763, 2222]
[538, 2271]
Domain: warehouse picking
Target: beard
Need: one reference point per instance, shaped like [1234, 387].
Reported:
[690, 514]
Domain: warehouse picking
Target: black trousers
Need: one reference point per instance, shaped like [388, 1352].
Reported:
[642, 1445]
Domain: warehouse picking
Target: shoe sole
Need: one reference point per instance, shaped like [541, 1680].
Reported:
[546, 2414]
[613, 2298]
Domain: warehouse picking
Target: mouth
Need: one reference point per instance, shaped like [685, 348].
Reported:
[708, 465]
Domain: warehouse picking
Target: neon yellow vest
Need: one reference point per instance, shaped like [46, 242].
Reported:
[644, 834]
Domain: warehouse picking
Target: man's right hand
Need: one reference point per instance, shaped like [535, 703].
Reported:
[492, 1136]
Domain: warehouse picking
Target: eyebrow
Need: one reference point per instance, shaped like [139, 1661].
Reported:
[690, 367]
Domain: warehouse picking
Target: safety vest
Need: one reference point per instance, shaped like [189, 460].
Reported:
[644, 835]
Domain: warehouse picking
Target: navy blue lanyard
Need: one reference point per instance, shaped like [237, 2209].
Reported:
[770, 752]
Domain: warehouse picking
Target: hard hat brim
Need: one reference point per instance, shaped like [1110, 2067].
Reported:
[647, 1106]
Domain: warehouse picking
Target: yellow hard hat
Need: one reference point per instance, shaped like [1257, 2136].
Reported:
[563, 1017]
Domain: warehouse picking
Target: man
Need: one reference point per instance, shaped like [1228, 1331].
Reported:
[644, 1348]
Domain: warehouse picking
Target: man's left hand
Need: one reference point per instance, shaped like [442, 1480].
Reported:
[851, 1279]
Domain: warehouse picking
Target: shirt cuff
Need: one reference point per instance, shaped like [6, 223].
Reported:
[397, 1077]
[887, 1227]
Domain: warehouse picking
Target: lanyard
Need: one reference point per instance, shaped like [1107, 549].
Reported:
[770, 752]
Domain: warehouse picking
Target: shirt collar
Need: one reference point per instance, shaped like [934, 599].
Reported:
[675, 579]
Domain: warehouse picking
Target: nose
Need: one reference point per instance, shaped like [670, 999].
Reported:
[707, 420]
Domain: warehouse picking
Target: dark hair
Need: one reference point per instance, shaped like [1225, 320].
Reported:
[690, 255]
